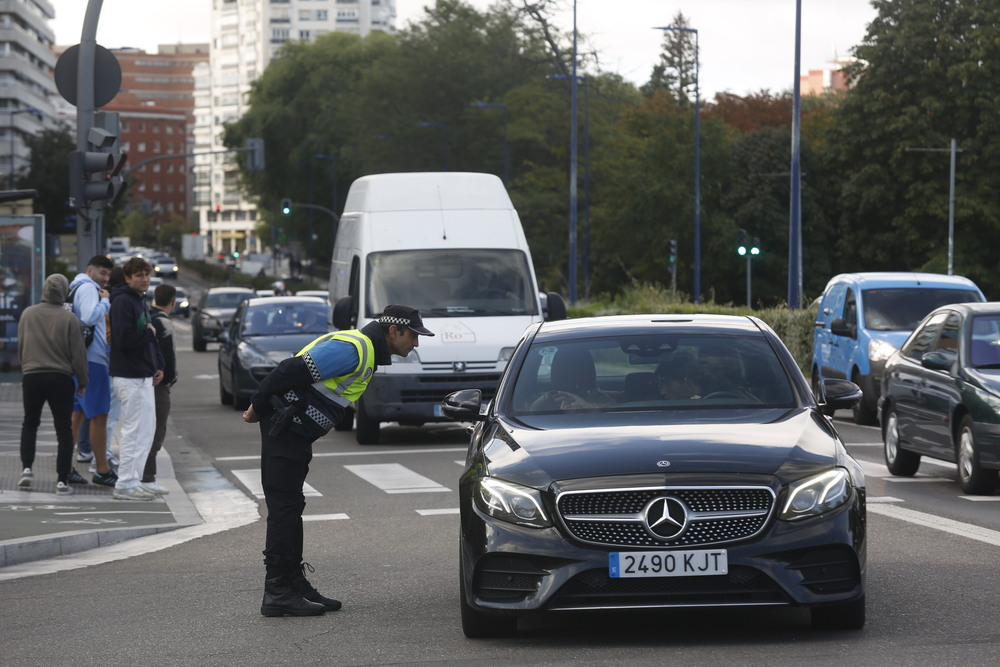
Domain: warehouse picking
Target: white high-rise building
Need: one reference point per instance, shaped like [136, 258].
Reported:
[245, 36]
[28, 93]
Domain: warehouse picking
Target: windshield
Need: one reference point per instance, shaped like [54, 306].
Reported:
[286, 318]
[452, 283]
[651, 372]
[985, 343]
[902, 308]
[226, 299]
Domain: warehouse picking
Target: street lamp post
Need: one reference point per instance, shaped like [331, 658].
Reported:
[697, 162]
[795, 203]
[13, 167]
[572, 170]
[444, 135]
[506, 150]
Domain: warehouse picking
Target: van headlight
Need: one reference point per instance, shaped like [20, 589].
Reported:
[511, 502]
[817, 495]
[879, 350]
[505, 354]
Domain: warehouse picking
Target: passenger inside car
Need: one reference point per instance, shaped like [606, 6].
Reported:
[574, 383]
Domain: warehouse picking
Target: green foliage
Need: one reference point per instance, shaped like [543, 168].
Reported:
[48, 174]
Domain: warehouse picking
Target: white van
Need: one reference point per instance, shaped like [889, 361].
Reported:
[450, 245]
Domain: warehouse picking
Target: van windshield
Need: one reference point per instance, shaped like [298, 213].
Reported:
[452, 283]
[902, 308]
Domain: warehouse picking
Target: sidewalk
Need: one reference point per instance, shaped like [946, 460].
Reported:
[37, 524]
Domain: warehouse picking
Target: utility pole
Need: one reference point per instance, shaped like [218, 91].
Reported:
[953, 149]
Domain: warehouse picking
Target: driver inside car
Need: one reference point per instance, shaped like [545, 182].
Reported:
[574, 384]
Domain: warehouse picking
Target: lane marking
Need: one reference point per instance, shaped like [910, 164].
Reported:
[251, 480]
[324, 517]
[982, 499]
[367, 453]
[885, 499]
[938, 523]
[396, 478]
[450, 510]
[906, 480]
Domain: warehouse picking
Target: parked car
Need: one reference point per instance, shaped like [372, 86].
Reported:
[864, 317]
[656, 461]
[264, 331]
[941, 396]
[165, 265]
[213, 312]
[183, 306]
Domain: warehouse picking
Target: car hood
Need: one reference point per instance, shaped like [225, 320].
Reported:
[281, 346]
[787, 444]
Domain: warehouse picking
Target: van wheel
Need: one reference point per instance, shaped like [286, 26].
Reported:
[865, 411]
[899, 461]
[367, 429]
[971, 475]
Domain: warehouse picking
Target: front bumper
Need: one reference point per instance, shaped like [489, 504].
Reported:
[416, 398]
[510, 569]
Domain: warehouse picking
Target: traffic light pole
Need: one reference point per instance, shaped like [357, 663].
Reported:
[89, 219]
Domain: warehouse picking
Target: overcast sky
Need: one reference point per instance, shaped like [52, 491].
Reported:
[746, 45]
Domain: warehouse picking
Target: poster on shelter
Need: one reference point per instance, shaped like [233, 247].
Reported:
[21, 278]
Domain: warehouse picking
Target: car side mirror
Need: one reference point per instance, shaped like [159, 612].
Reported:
[938, 360]
[840, 327]
[223, 336]
[463, 406]
[840, 394]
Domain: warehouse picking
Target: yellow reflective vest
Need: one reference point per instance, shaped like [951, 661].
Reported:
[345, 389]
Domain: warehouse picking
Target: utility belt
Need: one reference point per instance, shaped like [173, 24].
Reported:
[304, 413]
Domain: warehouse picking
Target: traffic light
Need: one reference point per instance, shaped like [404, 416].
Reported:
[673, 251]
[286, 206]
[236, 254]
[105, 136]
[755, 246]
[741, 245]
[89, 178]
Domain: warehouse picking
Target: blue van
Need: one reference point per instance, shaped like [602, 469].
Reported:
[864, 317]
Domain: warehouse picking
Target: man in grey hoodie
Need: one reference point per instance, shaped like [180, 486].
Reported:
[51, 351]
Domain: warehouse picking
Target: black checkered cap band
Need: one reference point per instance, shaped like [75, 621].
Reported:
[389, 319]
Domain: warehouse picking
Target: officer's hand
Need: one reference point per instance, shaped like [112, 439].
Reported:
[251, 416]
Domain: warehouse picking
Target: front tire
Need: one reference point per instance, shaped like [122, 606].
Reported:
[899, 461]
[477, 625]
[847, 616]
[225, 397]
[366, 428]
[865, 410]
[972, 476]
[198, 343]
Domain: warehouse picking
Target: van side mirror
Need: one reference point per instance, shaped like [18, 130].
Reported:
[342, 315]
[840, 327]
[553, 307]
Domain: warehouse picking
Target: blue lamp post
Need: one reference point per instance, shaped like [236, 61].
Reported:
[444, 137]
[795, 203]
[697, 164]
[13, 157]
[506, 119]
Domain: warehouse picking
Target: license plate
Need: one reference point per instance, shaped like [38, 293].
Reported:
[703, 562]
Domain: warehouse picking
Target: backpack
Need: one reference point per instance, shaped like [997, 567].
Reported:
[88, 331]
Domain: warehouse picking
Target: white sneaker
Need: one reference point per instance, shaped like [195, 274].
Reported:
[63, 489]
[154, 488]
[84, 458]
[26, 477]
[132, 493]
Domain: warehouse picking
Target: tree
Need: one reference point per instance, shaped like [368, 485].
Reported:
[928, 71]
[677, 70]
[48, 174]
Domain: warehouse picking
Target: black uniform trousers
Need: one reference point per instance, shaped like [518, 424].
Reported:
[284, 464]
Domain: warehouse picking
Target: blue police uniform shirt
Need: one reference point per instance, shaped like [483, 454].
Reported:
[334, 358]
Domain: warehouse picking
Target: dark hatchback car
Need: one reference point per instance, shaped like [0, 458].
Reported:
[214, 310]
[262, 333]
[941, 396]
[646, 462]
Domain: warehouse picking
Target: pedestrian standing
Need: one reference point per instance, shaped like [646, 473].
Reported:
[136, 367]
[298, 402]
[164, 301]
[91, 304]
[52, 352]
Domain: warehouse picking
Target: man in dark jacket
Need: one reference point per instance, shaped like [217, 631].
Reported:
[298, 402]
[51, 351]
[164, 300]
[136, 367]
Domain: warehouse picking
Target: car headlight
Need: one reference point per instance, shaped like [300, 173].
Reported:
[250, 357]
[511, 502]
[815, 495]
[879, 350]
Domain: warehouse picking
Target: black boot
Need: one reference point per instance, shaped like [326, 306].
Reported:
[306, 590]
[282, 597]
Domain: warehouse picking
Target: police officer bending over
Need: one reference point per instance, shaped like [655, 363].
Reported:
[298, 402]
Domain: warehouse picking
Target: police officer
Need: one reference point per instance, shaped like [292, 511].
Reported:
[298, 402]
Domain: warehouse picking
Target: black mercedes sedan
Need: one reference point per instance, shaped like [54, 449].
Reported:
[264, 331]
[941, 396]
[657, 461]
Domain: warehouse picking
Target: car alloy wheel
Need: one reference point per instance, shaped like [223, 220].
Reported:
[971, 475]
[899, 461]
